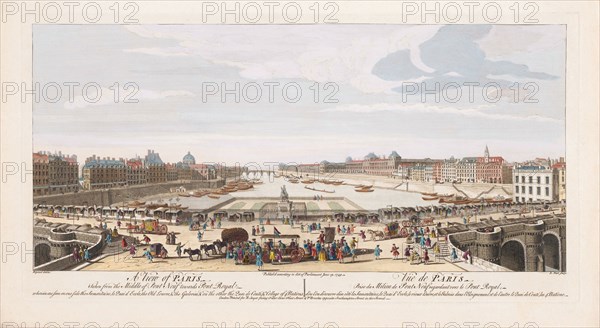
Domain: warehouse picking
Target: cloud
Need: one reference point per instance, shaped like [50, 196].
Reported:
[163, 52]
[475, 112]
[107, 97]
[336, 53]
[454, 51]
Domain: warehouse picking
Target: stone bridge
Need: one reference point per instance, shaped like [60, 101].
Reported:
[54, 242]
[524, 244]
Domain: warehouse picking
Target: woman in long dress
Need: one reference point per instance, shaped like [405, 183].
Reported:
[259, 261]
[322, 255]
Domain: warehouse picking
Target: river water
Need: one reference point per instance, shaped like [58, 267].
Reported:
[271, 187]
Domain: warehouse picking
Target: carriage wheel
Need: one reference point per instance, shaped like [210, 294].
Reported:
[163, 229]
[406, 223]
[403, 233]
[301, 251]
[296, 256]
[266, 258]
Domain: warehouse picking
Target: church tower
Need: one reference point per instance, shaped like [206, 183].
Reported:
[486, 155]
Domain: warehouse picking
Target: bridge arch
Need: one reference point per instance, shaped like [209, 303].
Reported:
[552, 251]
[513, 255]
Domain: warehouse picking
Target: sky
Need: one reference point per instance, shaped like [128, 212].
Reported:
[337, 91]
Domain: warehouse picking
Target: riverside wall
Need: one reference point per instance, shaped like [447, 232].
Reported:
[125, 194]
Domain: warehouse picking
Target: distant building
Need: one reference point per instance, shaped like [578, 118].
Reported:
[533, 183]
[189, 159]
[156, 172]
[54, 173]
[41, 182]
[489, 168]
[101, 173]
[466, 169]
[136, 172]
[449, 170]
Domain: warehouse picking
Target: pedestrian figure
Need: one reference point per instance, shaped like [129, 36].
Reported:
[340, 255]
[199, 235]
[148, 255]
[259, 261]
[377, 252]
[86, 255]
[453, 255]
[132, 250]
[395, 251]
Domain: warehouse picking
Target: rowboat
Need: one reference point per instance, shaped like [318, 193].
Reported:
[184, 195]
[307, 181]
[214, 196]
[430, 198]
[364, 190]
[429, 193]
[320, 190]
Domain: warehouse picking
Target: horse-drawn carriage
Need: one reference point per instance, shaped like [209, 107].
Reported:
[292, 252]
[158, 250]
[148, 226]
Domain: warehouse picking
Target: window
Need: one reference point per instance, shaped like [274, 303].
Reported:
[531, 190]
[530, 179]
[516, 189]
[539, 191]
[547, 191]
[523, 179]
[547, 180]
[522, 189]
[516, 178]
[539, 180]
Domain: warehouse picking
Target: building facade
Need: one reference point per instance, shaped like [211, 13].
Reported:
[532, 183]
[103, 173]
[54, 173]
[136, 172]
[41, 181]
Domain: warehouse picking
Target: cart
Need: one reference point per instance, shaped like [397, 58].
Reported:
[293, 253]
[152, 226]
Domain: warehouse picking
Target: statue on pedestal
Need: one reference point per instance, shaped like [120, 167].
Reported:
[284, 195]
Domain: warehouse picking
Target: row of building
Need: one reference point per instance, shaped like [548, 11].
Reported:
[485, 169]
[538, 180]
[58, 173]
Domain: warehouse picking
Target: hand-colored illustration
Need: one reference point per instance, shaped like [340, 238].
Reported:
[374, 148]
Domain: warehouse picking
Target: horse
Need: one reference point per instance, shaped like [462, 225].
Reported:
[376, 234]
[209, 247]
[219, 245]
[192, 252]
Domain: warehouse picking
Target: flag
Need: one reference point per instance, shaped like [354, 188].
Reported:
[276, 232]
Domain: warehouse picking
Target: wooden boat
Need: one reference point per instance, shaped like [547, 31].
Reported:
[293, 181]
[320, 190]
[136, 203]
[184, 195]
[337, 183]
[244, 186]
[429, 193]
[155, 206]
[430, 198]
[307, 181]
[214, 196]
[364, 190]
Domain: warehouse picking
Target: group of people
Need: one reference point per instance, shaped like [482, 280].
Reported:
[81, 253]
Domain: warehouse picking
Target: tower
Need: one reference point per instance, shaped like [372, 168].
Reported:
[486, 155]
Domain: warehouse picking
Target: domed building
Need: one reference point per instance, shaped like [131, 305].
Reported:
[189, 159]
